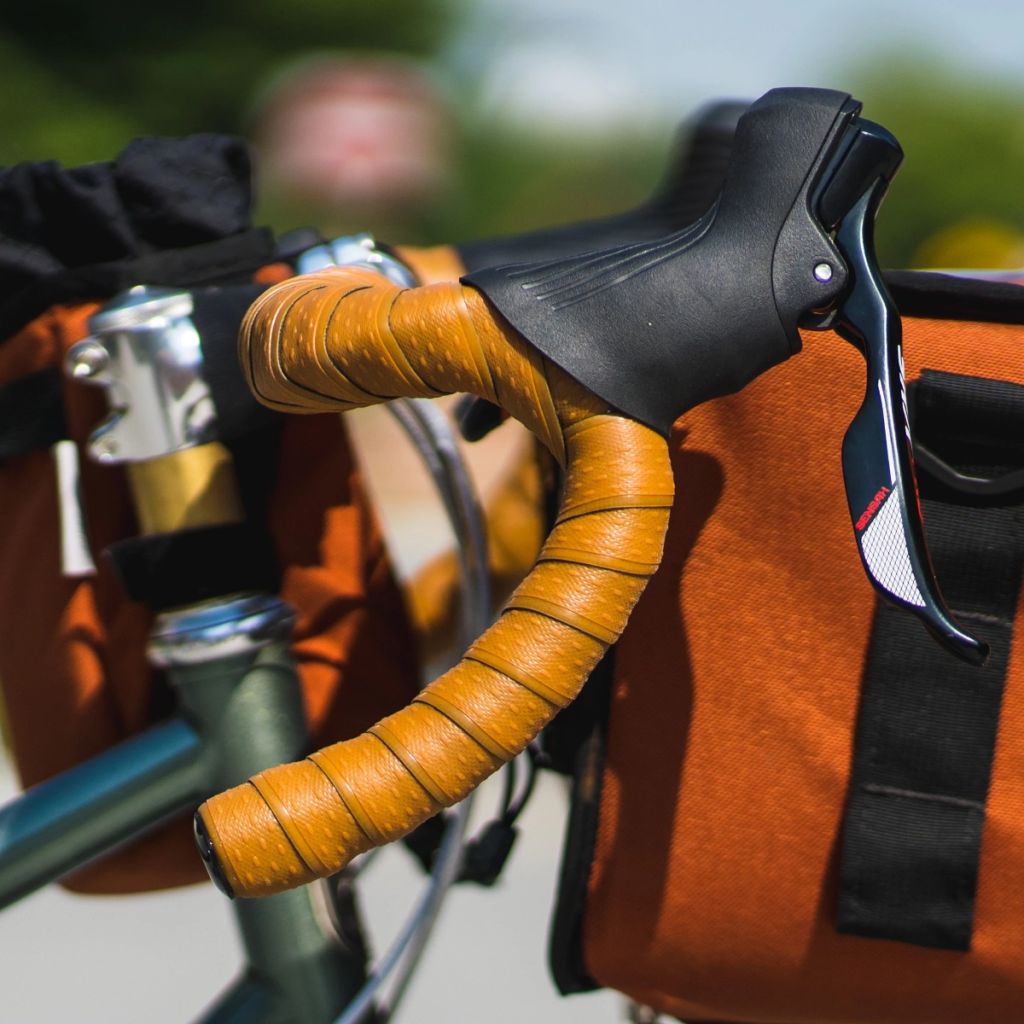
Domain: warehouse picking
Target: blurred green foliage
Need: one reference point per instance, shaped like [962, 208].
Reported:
[77, 81]
[505, 183]
[964, 145]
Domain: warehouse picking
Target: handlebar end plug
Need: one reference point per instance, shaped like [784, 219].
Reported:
[210, 859]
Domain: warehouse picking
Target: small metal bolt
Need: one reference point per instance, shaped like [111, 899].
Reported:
[103, 447]
[642, 1014]
[823, 272]
[89, 360]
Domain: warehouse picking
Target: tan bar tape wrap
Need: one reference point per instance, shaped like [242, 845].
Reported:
[432, 265]
[347, 797]
[342, 338]
[464, 722]
[293, 829]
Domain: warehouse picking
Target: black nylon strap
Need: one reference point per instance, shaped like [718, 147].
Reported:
[217, 313]
[940, 296]
[31, 413]
[928, 723]
[174, 569]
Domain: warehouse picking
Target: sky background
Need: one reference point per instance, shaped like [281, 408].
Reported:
[580, 61]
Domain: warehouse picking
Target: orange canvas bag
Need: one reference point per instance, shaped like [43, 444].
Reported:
[709, 850]
[73, 669]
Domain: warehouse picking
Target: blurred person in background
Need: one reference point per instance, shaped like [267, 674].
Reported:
[357, 140]
[348, 142]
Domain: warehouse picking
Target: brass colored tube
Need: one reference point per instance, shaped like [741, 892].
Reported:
[344, 338]
[190, 488]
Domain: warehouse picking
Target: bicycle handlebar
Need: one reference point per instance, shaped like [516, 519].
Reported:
[652, 328]
[374, 342]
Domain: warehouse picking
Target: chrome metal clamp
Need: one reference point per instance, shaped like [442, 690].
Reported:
[145, 351]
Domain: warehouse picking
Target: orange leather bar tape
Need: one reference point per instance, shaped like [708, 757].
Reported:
[432, 265]
[346, 337]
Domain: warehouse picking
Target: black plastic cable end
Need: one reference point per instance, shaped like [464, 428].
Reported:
[210, 858]
[476, 417]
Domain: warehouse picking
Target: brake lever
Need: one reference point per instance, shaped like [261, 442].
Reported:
[694, 177]
[878, 458]
[658, 327]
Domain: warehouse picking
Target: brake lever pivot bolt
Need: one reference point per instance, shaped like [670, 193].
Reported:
[823, 272]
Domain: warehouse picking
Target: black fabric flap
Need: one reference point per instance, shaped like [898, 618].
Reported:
[166, 211]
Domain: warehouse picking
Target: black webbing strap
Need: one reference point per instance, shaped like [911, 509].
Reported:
[928, 722]
[174, 569]
[170, 570]
[31, 413]
[938, 296]
[217, 314]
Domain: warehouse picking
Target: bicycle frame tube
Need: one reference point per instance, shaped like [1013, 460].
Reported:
[241, 712]
[63, 823]
[251, 710]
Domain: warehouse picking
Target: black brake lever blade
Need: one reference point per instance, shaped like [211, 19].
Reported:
[878, 463]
